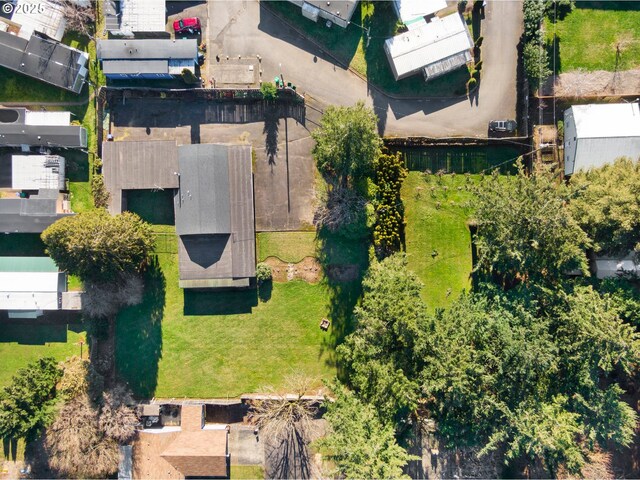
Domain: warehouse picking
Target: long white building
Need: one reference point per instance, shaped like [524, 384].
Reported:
[598, 134]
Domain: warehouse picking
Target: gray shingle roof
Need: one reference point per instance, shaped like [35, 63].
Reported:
[20, 133]
[44, 59]
[29, 215]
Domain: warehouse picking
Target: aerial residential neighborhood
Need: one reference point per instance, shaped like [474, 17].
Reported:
[302, 239]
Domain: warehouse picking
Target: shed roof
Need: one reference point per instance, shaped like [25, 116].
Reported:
[438, 40]
[147, 49]
[44, 59]
[30, 215]
[607, 120]
[409, 10]
[340, 8]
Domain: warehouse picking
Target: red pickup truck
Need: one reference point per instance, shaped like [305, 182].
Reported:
[187, 25]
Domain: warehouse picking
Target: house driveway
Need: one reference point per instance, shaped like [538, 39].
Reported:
[246, 28]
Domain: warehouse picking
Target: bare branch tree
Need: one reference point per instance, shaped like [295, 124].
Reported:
[341, 207]
[288, 420]
[79, 15]
[103, 300]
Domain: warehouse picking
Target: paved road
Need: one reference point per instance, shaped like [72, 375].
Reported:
[243, 27]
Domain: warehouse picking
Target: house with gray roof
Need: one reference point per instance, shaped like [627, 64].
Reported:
[128, 17]
[213, 203]
[147, 58]
[43, 59]
[32, 213]
[23, 128]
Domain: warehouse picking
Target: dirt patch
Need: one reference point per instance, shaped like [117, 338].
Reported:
[598, 83]
[309, 270]
[343, 273]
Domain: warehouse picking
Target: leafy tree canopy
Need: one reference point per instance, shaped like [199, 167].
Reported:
[99, 247]
[385, 352]
[526, 231]
[358, 442]
[347, 143]
[607, 205]
[26, 404]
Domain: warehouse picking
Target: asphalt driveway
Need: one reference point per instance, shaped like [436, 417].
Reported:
[246, 28]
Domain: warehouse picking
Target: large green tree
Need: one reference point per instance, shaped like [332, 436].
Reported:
[99, 247]
[360, 445]
[26, 405]
[607, 205]
[525, 230]
[384, 354]
[347, 143]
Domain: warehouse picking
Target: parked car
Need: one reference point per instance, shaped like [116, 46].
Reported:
[508, 126]
[187, 25]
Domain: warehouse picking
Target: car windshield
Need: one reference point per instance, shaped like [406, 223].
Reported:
[181, 23]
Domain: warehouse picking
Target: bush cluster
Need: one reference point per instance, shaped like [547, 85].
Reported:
[387, 233]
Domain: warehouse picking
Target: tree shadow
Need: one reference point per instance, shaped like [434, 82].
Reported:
[270, 130]
[219, 302]
[139, 335]
[344, 262]
[288, 456]
[607, 5]
[10, 448]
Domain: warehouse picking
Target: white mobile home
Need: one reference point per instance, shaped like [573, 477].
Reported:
[598, 134]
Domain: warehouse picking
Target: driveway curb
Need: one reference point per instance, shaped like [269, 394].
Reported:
[347, 67]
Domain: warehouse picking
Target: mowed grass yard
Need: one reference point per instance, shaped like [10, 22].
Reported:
[222, 344]
[436, 223]
[287, 246]
[588, 37]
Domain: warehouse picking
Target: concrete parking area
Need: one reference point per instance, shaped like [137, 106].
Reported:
[284, 172]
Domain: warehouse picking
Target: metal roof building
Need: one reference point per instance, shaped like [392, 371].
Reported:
[36, 172]
[41, 16]
[20, 127]
[434, 49]
[30, 285]
[138, 166]
[128, 17]
[215, 217]
[335, 11]
[410, 10]
[33, 214]
[45, 60]
[149, 58]
[598, 134]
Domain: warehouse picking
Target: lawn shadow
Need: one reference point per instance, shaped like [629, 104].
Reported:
[21, 245]
[219, 302]
[29, 332]
[77, 165]
[607, 5]
[345, 262]
[139, 335]
[265, 290]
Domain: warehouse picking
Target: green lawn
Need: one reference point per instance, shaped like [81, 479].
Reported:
[350, 46]
[201, 344]
[246, 472]
[23, 343]
[440, 230]
[588, 37]
[287, 246]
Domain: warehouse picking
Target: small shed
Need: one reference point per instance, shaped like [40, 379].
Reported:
[597, 134]
[611, 267]
[435, 48]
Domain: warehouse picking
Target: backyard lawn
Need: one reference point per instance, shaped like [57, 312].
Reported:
[438, 241]
[201, 344]
[605, 37]
[287, 246]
